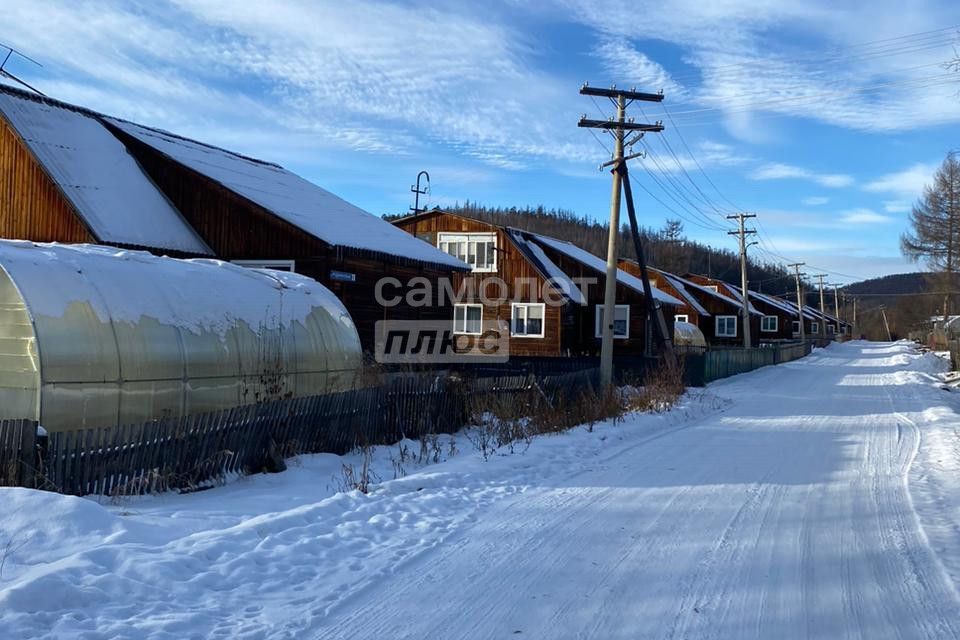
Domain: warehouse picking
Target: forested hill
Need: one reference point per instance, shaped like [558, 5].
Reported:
[667, 248]
[897, 284]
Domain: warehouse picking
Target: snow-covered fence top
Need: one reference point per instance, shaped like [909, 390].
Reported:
[97, 336]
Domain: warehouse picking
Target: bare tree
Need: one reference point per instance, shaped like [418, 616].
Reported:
[934, 236]
[953, 65]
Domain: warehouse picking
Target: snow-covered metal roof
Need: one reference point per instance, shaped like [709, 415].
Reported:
[679, 285]
[738, 297]
[291, 198]
[547, 267]
[115, 198]
[591, 261]
[774, 301]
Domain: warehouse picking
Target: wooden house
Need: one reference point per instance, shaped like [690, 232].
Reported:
[69, 174]
[715, 313]
[779, 321]
[728, 325]
[546, 292]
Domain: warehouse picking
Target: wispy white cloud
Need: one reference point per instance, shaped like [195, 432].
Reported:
[863, 216]
[370, 76]
[623, 62]
[815, 201]
[897, 206]
[780, 171]
[748, 68]
[908, 182]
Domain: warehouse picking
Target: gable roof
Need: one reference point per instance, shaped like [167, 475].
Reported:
[591, 261]
[679, 285]
[547, 267]
[113, 196]
[778, 303]
[736, 295]
[290, 197]
[81, 151]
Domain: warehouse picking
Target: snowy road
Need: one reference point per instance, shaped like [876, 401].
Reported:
[787, 516]
[817, 499]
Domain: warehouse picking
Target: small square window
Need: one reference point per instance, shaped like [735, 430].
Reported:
[726, 326]
[527, 320]
[769, 324]
[621, 321]
[681, 318]
[468, 318]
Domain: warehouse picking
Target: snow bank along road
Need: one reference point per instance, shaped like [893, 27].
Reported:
[816, 499]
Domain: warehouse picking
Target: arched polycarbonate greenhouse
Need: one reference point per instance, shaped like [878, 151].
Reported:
[93, 336]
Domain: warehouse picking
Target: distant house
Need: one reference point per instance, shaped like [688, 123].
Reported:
[734, 293]
[69, 174]
[550, 294]
[778, 317]
[716, 314]
[779, 320]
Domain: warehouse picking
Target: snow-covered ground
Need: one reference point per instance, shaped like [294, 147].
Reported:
[816, 499]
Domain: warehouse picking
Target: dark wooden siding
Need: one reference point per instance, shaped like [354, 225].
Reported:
[512, 267]
[234, 227]
[580, 337]
[238, 229]
[32, 207]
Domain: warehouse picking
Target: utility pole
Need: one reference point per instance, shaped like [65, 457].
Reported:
[619, 129]
[883, 312]
[854, 316]
[796, 266]
[836, 305]
[743, 232]
[416, 198]
[823, 313]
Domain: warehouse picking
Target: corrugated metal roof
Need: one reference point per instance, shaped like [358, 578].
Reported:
[291, 198]
[679, 286]
[546, 266]
[116, 199]
[736, 295]
[589, 260]
[774, 301]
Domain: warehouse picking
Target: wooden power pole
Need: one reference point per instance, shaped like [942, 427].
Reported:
[836, 304]
[886, 325]
[619, 128]
[823, 313]
[743, 232]
[796, 266]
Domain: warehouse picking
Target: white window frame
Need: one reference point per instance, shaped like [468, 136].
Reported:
[831, 330]
[716, 327]
[616, 336]
[712, 287]
[445, 237]
[814, 327]
[463, 330]
[525, 307]
[776, 324]
[681, 317]
[281, 265]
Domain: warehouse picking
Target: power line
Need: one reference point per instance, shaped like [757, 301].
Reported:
[740, 107]
[889, 47]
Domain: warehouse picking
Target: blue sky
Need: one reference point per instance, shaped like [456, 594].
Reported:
[824, 118]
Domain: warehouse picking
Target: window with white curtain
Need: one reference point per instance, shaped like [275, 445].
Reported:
[479, 250]
[527, 320]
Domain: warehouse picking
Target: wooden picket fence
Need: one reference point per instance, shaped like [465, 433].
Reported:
[201, 450]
